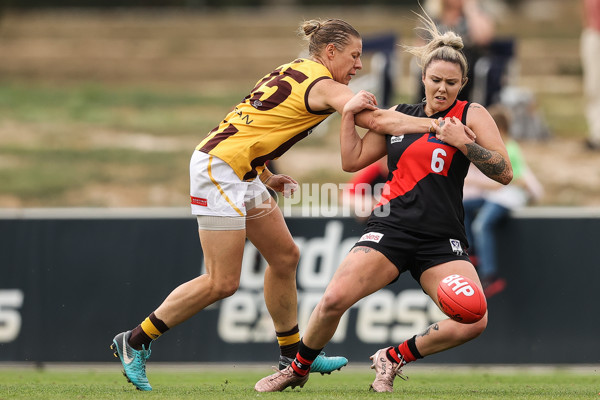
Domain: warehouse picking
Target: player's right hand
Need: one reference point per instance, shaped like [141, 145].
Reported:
[363, 100]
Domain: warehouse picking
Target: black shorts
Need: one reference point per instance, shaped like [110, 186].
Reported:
[410, 251]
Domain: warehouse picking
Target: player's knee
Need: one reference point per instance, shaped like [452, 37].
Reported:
[333, 304]
[293, 255]
[475, 329]
[287, 259]
[226, 288]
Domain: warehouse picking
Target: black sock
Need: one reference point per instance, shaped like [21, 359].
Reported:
[304, 359]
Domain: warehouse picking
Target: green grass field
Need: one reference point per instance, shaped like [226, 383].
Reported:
[237, 383]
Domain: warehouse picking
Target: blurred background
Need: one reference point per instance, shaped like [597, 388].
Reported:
[102, 102]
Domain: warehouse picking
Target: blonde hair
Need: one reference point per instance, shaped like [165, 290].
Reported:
[440, 47]
[319, 33]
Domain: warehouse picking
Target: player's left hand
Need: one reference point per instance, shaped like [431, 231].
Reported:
[283, 184]
[452, 131]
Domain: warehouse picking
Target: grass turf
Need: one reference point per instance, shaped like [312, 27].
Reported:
[238, 383]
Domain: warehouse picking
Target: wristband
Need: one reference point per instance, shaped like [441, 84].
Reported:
[267, 180]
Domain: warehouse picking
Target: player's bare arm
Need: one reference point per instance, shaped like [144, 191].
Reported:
[487, 151]
[357, 152]
[492, 164]
[391, 122]
[328, 94]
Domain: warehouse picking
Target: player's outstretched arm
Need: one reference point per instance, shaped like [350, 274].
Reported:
[328, 94]
[392, 122]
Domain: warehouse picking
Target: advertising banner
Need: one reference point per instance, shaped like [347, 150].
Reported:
[70, 283]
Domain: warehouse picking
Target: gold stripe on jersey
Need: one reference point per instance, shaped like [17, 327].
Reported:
[212, 179]
[273, 117]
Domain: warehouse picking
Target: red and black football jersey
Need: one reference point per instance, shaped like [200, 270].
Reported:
[424, 187]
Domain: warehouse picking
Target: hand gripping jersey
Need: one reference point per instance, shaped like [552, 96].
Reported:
[273, 117]
[424, 190]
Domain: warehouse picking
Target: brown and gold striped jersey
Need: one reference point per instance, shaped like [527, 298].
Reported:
[273, 117]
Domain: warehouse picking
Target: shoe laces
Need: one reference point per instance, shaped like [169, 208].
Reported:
[280, 371]
[274, 368]
[288, 372]
[397, 371]
[322, 354]
[140, 359]
[145, 353]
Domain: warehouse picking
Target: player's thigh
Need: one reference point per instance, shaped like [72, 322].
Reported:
[223, 251]
[268, 232]
[431, 277]
[362, 272]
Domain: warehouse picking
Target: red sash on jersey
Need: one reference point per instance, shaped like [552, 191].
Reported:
[411, 169]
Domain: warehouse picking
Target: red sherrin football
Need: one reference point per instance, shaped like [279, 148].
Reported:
[461, 299]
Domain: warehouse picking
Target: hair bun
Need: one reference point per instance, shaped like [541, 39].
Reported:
[445, 46]
[310, 27]
[452, 39]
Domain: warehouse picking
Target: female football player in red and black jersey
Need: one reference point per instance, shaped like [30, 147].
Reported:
[418, 225]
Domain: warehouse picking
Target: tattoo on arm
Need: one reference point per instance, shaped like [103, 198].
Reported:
[435, 327]
[491, 163]
[361, 248]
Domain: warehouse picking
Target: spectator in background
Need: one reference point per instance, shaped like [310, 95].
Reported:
[470, 21]
[487, 203]
[590, 58]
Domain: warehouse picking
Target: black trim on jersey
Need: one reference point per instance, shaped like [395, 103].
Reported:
[323, 112]
[419, 108]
